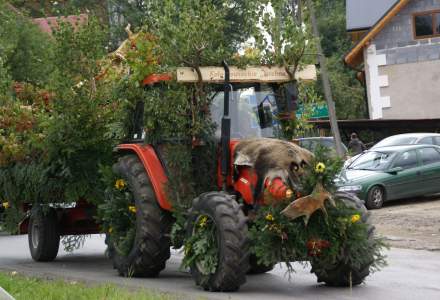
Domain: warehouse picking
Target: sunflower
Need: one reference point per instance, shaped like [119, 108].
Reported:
[320, 168]
[203, 221]
[355, 218]
[120, 184]
[132, 209]
[270, 218]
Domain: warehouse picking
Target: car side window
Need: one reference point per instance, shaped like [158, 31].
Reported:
[437, 140]
[427, 141]
[429, 156]
[407, 160]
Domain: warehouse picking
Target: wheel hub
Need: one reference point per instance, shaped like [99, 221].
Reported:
[35, 231]
[377, 197]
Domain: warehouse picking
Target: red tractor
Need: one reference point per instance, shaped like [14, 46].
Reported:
[243, 108]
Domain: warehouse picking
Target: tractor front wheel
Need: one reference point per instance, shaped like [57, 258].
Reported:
[151, 246]
[342, 273]
[231, 234]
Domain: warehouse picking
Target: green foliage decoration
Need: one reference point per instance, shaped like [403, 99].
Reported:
[117, 214]
[339, 235]
[201, 247]
[54, 140]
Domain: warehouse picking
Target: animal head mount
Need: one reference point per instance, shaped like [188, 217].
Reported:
[272, 158]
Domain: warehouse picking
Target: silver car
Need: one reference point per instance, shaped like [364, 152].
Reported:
[410, 139]
[403, 139]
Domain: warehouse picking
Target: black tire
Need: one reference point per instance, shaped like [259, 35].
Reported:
[232, 241]
[342, 274]
[151, 248]
[256, 268]
[375, 197]
[43, 235]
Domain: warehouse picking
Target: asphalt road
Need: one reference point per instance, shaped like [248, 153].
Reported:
[411, 274]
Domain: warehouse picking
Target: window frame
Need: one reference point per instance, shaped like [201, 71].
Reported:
[397, 159]
[420, 154]
[434, 24]
[424, 138]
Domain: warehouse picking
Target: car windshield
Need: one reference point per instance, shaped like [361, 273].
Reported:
[373, 161]
[395, 141]
[245, 118]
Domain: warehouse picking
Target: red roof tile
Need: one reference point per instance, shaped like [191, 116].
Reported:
[47, 24]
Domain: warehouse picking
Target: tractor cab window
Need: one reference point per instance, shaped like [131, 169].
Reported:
[253, 113]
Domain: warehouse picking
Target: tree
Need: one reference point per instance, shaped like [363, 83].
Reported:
[348, 91]
[24, 48]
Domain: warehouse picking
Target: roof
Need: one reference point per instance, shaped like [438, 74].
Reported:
[417, 134]
[362, 14]
[47, 24]
[354, 56]
[403, 147]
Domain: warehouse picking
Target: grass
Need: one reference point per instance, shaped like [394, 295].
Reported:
[21, 287]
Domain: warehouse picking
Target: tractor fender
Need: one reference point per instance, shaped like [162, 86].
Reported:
[154, 169]
[245, 184]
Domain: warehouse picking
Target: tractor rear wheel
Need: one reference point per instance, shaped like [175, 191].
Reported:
[232, 242]
[151, 247]
[43, 234]
[343, 274]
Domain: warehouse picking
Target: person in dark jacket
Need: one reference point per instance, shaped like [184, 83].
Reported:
[355, 145]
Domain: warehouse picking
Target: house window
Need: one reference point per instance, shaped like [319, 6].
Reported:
[427, 24]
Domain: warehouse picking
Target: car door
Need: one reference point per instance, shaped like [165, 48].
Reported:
[430, 159]
[406, 183]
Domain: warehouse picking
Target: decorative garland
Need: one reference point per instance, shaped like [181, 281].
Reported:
[118, 215]
[201, 247]
[327, 238]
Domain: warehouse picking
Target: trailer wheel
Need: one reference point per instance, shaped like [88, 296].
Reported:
[343, 274]
[232, 242]
[43, 235]
[151, 248]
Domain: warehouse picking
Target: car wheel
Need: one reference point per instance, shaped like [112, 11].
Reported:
[376, 197]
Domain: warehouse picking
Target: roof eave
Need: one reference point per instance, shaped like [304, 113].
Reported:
[354, 57]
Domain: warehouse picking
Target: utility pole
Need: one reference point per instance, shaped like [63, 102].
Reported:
[326, 82]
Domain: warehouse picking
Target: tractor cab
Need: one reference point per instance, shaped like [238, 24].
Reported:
[255, 111]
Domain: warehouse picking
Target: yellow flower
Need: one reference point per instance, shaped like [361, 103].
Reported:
[120, 184]
[355, 218]
[320, 167]
[110, 230]
[203, 221]
[6, 204]
[275, 228]
[132, 209]
[270, 218]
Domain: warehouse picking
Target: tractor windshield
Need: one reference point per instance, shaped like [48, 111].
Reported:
[253, 114]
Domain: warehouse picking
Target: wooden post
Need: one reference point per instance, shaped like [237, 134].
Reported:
[326, 82]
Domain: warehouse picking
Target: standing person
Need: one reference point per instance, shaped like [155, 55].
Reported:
[355, 145]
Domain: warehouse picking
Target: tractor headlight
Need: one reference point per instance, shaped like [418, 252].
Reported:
[350, 188]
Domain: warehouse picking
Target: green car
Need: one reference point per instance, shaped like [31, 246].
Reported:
[390, 173]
